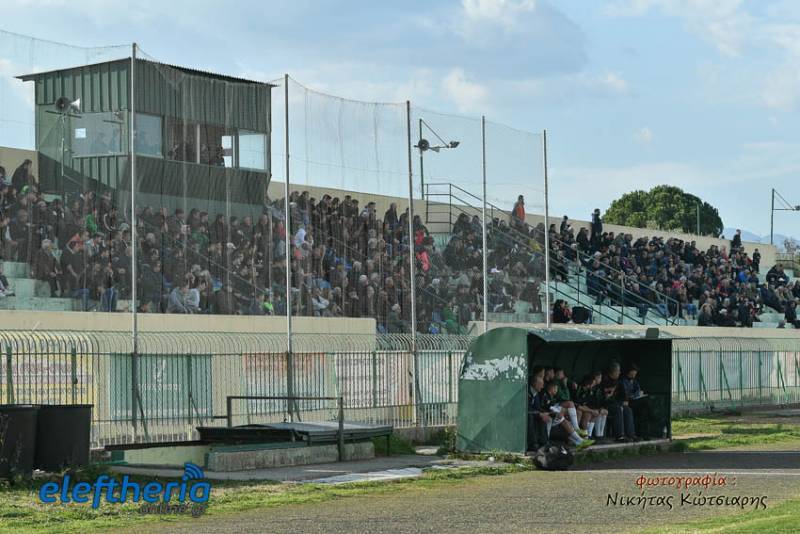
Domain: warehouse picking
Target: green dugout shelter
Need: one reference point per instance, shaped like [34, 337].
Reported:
[493, 384]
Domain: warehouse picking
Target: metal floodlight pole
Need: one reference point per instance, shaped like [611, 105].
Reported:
[546, 234]
[63, 121]
[135, 326]
[288, 224]
[773, 209]
[772, 218]
[412, 252]
[288, 217]
[135, 400]
[421, 163]
[484, 232]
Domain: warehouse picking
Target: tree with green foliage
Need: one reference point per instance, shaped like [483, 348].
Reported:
[664, 207]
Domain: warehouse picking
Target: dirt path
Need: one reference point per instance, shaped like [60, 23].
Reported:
[573, 501]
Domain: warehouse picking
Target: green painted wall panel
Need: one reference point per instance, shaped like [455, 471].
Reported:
[492, 393]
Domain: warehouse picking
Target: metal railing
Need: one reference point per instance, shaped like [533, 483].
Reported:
[291, 400]
[458, 201]
[168, 389]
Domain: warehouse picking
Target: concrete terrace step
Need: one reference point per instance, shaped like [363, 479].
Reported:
[16, 269]
[54, 304]
[36, 304]
[27, 287]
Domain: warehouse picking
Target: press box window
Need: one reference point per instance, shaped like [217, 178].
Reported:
[98, 134]
[252, 150]
[149, 135]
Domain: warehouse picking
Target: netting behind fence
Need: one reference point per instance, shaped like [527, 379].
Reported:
[164, 190]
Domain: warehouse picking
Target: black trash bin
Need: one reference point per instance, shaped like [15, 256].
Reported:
[63, 433]
[17, 439]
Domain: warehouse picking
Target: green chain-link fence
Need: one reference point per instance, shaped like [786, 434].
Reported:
[179, 381]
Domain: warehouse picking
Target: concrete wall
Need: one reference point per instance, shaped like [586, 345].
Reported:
[158, 322]
[221, 460]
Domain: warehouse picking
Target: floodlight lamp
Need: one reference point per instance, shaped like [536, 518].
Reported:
[454, 144]
[423, 145]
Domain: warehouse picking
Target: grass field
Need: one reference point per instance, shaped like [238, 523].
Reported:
[709, 433]
[783, 518]
[21, 511]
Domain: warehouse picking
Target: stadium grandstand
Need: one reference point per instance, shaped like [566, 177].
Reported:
[210, 220]
[202, 215]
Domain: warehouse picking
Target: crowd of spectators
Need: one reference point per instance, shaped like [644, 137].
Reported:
[348, 261]
[673, 277]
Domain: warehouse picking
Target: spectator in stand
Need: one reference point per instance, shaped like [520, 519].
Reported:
[5, 287]
[565, 226]
[22, 176]
[756, 260]
[776, 277]
[518, 214]
[790, 314]
[561, 312]
[597, 229]
[736, 242]
[46, 269]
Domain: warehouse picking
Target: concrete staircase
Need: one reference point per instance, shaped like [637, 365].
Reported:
[34, 295]
[606, 313]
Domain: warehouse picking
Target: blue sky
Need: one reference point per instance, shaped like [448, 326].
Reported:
[701, 94]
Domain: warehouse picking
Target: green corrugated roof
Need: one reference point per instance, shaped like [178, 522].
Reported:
[127, 61]
[564, 335]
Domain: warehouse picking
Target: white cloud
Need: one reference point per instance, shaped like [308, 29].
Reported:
[770, 38]
[468, 96]
[479, 15]
[643, 135]
[721, 22]
[610, 82]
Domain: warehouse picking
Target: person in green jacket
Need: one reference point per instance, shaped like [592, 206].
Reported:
[564, 399]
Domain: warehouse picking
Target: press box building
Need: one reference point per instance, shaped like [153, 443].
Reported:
[201, 138]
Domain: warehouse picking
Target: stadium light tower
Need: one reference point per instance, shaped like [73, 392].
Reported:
[423, 145]
[786, 207]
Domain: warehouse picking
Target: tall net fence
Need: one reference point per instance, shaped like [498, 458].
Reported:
[348, 182]
[453, 157]
[163, 189]
[208, 235]
[62, 144]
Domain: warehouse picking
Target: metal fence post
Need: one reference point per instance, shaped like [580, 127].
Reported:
[190, 399]
[449, 377]
[9, 376]
[291, 405]
[374, 379]
[341, 429]
[702, 380]
[73, 363]
[760, 392]
[417, 392]
[134, 390]
[741, 377]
